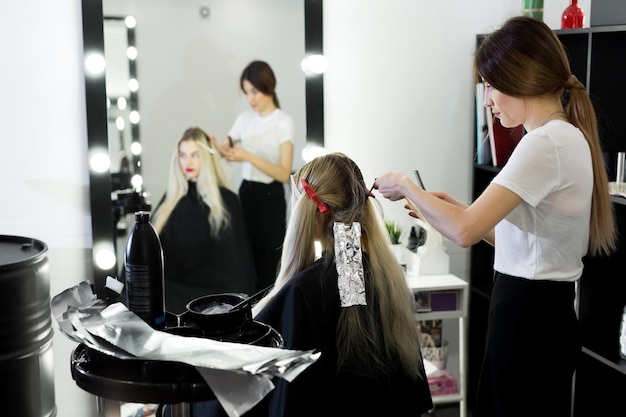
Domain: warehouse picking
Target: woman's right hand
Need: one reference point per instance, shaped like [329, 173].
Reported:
[223, 146]
[390, 185]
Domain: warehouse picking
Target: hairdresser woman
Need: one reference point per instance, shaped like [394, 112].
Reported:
[544, 211]
[262, 140]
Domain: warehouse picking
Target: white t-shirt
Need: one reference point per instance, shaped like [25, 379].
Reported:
[547, 235]
[263, 136]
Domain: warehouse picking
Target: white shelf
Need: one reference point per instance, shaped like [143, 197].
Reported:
[447, 398]
[447, 284]
[433, 315]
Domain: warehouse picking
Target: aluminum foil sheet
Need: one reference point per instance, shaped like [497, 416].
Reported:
[239, 375]
[349, 262]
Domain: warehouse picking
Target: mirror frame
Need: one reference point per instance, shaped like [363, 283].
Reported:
[100, 187]
[131, 128]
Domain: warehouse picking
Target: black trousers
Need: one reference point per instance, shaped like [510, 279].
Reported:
[264, 210]
[533, 347]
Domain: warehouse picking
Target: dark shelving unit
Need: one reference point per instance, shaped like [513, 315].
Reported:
[602, 292]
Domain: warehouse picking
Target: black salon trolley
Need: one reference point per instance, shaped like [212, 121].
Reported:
[137, 380]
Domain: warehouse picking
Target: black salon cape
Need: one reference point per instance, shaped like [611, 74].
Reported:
[195, 263]
[305, 312]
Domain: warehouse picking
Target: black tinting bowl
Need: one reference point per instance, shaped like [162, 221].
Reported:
[213, 313]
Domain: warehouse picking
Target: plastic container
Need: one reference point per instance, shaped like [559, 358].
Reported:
[438, 356]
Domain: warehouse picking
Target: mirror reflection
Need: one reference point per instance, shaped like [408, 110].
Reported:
[189, 58]
[187, 66]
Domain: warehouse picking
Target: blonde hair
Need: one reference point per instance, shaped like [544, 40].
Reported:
[384, 332]
[211, 177]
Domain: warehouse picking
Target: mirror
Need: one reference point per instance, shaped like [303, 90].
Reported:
[101, 186]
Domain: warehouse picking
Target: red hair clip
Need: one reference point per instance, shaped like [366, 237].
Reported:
[323, 208]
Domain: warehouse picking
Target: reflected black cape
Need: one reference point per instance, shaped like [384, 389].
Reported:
[195, 263]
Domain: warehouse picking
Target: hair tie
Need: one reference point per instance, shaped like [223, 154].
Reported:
[323, 208]
[572, 82]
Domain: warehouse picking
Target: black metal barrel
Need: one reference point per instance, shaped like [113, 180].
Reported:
[26, 357]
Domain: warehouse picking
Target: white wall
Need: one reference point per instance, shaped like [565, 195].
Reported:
[43, 170]
[398, 95]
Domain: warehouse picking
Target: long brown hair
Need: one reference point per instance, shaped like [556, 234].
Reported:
[261, 76]
[525, 58]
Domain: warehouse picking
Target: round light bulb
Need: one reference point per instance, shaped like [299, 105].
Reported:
[136, 181]
[121, 103]
[100, 161]
[105, 258]
[314, 64]
[120, 123]
[135, 148]
[131, 53]
[134, 117]
[130, 22]
[95, 63]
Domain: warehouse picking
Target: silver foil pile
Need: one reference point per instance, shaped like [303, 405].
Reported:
[239, 375]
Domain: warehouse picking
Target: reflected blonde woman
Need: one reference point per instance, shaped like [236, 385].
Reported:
[200, 223]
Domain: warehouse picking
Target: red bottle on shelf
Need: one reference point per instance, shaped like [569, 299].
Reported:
[573, 16]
